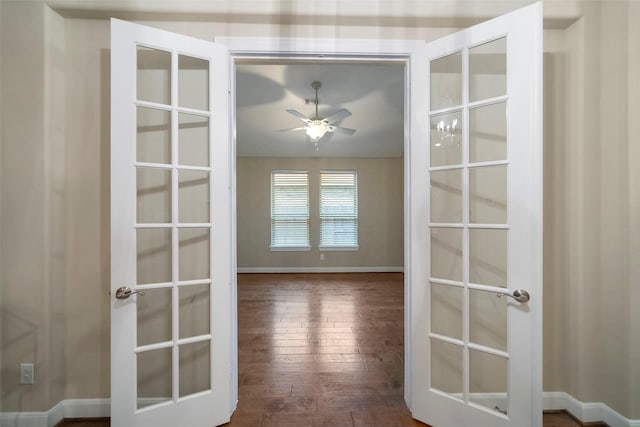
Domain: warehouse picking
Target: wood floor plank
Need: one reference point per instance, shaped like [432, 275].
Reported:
[289, 404]
[384, 418]
[326, 419]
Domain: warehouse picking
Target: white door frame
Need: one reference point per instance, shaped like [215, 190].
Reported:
[330, 50]
[349, 50]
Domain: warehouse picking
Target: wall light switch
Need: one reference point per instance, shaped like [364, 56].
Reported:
[321, 257]
[27, 375]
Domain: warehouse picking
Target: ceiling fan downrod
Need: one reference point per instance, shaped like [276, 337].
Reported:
[316, 85]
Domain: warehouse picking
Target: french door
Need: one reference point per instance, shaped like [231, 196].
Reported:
[474, 228]
[171, 230]
[476, 220]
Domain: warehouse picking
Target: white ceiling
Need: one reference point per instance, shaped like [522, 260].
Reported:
[373, 92]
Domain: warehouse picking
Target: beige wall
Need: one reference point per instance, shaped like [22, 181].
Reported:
[33, 258]
[633, 178]
[591, 207]
[380, 213]
[54, 250]
[88, 203]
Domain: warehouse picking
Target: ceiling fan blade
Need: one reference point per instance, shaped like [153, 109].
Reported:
[299, 115]
[337, 116]
[338, 129]
[291, 129]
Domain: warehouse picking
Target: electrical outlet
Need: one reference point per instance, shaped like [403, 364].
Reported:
[321, 257]
[27, 375]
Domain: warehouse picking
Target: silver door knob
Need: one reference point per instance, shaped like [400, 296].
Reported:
[125, 292]
[519, 295]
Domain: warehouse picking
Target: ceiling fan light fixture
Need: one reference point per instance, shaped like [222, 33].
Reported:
[316, 126]
[316, 129]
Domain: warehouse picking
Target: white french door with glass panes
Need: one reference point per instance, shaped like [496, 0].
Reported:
[474, 203]
[476, 226]
[171, 222]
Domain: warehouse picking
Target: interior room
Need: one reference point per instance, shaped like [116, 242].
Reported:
[55, 180]
[374, 93]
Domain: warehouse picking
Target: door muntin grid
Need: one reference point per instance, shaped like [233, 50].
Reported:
[468, 226]
[173, 227]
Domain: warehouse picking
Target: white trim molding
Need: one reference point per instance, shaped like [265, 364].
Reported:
[100, 408]
[87, 408]
[354, 48]
[69, 408]
[585, 411]
[320, 269]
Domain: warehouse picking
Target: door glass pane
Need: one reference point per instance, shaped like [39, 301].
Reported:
[193, 82]
[446, 367]
[193, 196]
[488, 319]
[154, 316]
[194, 253]
[488, 257]
[154, 377]
[488, 70]
[193, 146]
[153, 255]
[488, 195]
[195, 367]
[446, 310]
[446, 82]
[446, 196]
[488, 133]
[153, 75]
[153, 136]
[154, 195]
[488, 380]
[446, 139]
[194, 310]
[446, 253]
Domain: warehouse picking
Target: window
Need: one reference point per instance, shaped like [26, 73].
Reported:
[339, 209]
[290, 210]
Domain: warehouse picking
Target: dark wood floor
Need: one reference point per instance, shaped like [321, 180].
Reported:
[322, 350]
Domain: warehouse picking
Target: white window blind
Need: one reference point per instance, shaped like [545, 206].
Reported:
[339, 209]
[289, 209]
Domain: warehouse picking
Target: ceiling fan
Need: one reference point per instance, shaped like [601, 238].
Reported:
[317, 127]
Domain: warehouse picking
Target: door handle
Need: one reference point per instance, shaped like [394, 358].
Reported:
[125, 292]
[519, 295]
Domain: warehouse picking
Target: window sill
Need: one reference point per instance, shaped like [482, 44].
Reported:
[338, 248]
[290, 248]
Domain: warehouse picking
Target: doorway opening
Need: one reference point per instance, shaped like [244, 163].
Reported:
[321, 329]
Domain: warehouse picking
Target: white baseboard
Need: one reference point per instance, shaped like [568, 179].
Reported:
[87, 408]
[56, 414]
[320, 269]
[99, 408]
[585, 412]
[69, 408]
